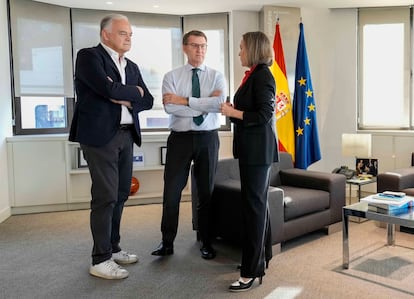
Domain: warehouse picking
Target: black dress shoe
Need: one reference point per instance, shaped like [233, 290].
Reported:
[162, 250]
[207, 252]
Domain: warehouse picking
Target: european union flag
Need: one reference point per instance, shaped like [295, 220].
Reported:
[307, 149]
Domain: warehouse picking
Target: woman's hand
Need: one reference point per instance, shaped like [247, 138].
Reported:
[227, 109]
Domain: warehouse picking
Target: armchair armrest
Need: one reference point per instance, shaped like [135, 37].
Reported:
[332, 183]
[396, 180]
[318, 180]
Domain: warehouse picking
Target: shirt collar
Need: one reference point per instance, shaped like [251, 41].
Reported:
[189, 67]
[114, 55]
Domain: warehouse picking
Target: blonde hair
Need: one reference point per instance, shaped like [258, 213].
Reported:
[258, 48]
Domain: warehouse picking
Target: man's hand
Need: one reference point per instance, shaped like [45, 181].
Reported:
[215, 93]
[171, 98]
[141, 91]
[124, 103]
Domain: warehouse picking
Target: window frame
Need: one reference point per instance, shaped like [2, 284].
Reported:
[387, 15]
[62, 14]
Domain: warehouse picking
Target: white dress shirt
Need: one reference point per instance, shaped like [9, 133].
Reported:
[178, 81]
[120, 62]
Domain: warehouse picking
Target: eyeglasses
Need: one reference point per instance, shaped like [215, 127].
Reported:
[197, 46]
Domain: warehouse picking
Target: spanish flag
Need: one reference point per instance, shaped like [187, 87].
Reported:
[284, 117]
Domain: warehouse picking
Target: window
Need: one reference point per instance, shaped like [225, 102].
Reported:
[42, 67]
[46, 39]
[154, 56]
[384, 69]
[157, 56]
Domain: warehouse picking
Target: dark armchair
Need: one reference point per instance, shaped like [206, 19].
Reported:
[401, 179]
[300, 201]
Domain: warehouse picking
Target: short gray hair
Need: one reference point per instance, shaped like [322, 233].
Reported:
[106, 22]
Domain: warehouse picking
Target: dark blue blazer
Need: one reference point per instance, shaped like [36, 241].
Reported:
[96, 119]
[254, 141]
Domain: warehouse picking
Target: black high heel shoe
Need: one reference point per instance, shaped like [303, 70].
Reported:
[240, 286]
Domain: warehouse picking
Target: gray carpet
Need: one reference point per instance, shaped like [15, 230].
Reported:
[48, 255]
[389, 266]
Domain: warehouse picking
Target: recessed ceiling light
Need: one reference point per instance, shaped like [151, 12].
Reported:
[109, 2]
[156, 6]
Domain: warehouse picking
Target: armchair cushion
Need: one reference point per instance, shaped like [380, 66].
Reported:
[300, 201]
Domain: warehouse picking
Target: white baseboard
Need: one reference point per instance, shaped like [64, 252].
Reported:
[4, 214]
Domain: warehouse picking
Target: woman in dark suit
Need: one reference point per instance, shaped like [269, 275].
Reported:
[255, 146]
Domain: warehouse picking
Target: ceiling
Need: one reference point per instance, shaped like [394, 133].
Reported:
[184, 7]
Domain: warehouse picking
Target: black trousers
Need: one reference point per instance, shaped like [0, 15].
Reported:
[110, 168]
[201, 148]
[255, 218]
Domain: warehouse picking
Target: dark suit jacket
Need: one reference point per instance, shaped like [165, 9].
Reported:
[254, 140]
[96, 119]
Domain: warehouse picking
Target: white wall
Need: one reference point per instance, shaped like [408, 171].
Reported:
[5, 111]
[330, 37]
[240, 23]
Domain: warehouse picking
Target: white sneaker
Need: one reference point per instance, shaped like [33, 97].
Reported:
[108, 270]
[123, 257]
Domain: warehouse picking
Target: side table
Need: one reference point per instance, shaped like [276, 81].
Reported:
[359, 182]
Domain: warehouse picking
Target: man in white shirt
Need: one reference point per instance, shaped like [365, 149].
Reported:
[192, 95]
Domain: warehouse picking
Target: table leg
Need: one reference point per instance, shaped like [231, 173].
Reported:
[390, 234]
[345, 240]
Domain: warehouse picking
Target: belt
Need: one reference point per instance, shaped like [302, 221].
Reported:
[193, 132]
[126, 126]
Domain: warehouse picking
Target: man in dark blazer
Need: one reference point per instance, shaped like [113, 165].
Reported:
[110, 94]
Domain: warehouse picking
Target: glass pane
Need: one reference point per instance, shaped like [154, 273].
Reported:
[43, 112]
[41, 67]
[42, 59]
[215, 55]
[154, 62]
[383, 76]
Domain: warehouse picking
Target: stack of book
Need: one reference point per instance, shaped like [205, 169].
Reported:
[389, 202]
